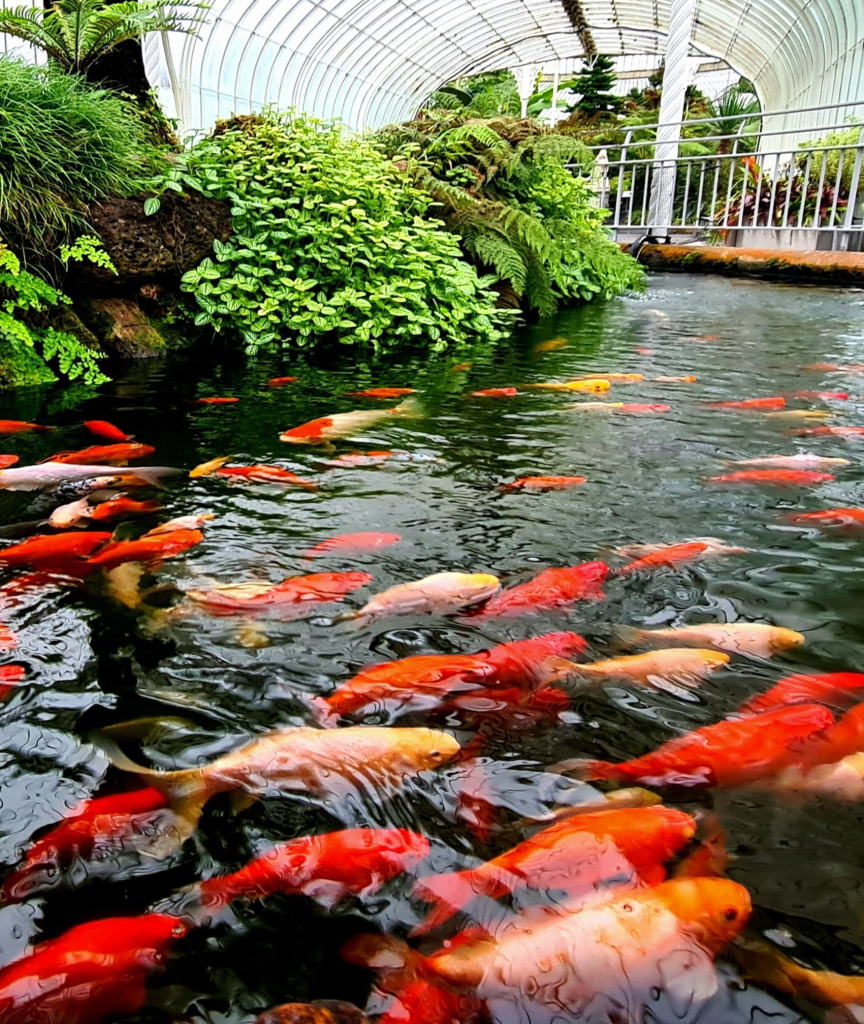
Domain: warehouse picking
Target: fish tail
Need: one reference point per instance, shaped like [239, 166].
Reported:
[410, 407]
[448, 893]
[628, 636]
[153, 474]
[185, 791]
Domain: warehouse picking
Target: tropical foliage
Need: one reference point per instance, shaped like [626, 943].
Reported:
[330, 242]
[29, 353]
[63, 144]
[491, 94]
[76, 33]
[506, 188]
[819, 151]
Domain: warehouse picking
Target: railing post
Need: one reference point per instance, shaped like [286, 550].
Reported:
[676, 78]
[618, 193]
[843, 241]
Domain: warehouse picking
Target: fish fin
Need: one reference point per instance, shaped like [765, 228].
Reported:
[555, 669]
[410, 407]
[185, 791]
[153, 474]
[448, 893]
[242, 801]
[391, 957]
[627, 636]
[324, 715]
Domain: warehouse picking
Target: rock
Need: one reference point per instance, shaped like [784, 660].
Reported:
[145, 249]
[121, 327]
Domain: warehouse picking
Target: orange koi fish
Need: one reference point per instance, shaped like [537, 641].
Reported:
[19, 427]
[550, 590]
[206, 468]
[8, 460]
[425, 680]
[215, 401]
[329, 867]
[830, 518]
[837, 741]
[344, 424]
[461, 367]
[181, 523]
[442, 593]
[756, 404]
[834, 689]
[676, 380]
[683, 666]
[92, 973]
[10, 675]
[643, 409]
[723, 754]
[294, 760]
[642, 351]
[353, 459]
[8, 639]
[839, 396]
[105, 454]
[803, 460]
[146, 549]
[774, 477]
[381, 393]
[829, 432]
[266, 475]
[754, 638]
[277, 382]
[56, 548]
[553, 345]
[834, 368]
[618, 952]
[122, 506]
[577, 855]
[323, 1011]
[670, 557]
[494, 393]
[350, 542]
[617, 378]
[295, 590]
[102, 428]
[90, 831]
[543, 483]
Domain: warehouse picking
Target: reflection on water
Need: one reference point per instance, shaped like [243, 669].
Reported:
[224, 665]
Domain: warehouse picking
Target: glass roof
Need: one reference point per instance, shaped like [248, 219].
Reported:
[370, 62]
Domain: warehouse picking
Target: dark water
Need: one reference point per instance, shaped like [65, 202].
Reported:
[91, 661]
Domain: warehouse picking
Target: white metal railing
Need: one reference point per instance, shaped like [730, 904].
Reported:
[755, 185]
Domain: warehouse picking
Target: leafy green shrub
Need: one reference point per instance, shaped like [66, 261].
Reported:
[330, 241]
[63, 144]
[505, 187]
[850, 136]
[25, 350]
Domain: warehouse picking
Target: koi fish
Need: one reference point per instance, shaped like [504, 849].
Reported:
[321, 1011]
[803, 460]
[642, 409]
[673, 555]
[350, 542]
[553, 345]
[577, 855]
[751, 404]
[829, 518]
[834, 368]
[419, 1000]
[543, 483]
[618, 378]
[683, 666]
[592, 385]
[344, 424]
[70, 514]
[54, 474]
[380, 393]
[728, 753]
[829, 432]
[841, 780]
[146, 549]
[299, 760]
[691, 379]
[215, 401]
[266, 475]
[10, 675]
[839, 396]
[92, 973]
[98, 454]
[181, 523]
[353, 459]
[206, 468]
[642, 351]
[461, 367]
[834, 689]
[551, 589]
[295, 590]
[494, 393]
[593, 407]
[713, 547]
[277, 382]
[8, 460]
[329, 867]
[439, 594]
[704, 337]
[8, 640]
[122, 506]
[837, 741]
[592, 963]
[799, 414]
[89, 832]
[19, 427]
[102, 428]
[753, 638]
[427, 679]
[774, 477]
[56, 548]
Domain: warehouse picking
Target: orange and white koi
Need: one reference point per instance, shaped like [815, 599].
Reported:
[750, 404]
[750, 638]
[345, 424]
[803, 460]
[351, 542]
[181, 523]
[543, 483]
[316, 588]
[494, 393]
[774, 477]
[266, 475]
[829, 518]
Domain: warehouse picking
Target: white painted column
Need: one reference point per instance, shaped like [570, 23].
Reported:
[676, 78]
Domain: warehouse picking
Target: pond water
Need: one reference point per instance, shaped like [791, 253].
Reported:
[91, 660]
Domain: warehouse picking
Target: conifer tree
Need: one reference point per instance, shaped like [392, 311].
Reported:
[594, 84]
